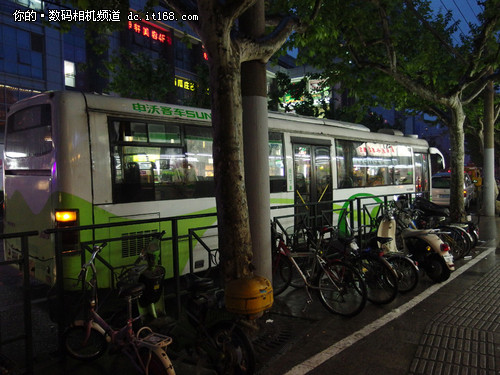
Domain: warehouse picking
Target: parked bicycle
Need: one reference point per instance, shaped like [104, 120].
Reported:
[340, 287]
[205, 334]
[380, 277]
[208, 336]
[88, 339]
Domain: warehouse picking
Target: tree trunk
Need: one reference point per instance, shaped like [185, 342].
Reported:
[457, 209]
[230, 193]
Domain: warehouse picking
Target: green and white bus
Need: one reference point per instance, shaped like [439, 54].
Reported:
[72, 158]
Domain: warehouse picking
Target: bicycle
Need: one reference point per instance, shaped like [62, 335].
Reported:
[340, 287]
[208, 336]
[380, 277]
[88, 339]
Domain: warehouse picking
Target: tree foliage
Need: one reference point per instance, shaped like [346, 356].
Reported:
[402, 53]
[136, 75]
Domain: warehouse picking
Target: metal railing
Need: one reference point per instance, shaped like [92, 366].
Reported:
[23, 261]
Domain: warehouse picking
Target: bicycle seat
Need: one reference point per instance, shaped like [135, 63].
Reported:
[131, 290]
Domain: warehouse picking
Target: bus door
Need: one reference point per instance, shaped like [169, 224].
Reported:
[313, 187]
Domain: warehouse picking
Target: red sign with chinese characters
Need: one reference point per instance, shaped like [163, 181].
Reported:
[146, 30]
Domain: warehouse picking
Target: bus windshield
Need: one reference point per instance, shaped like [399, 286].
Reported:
[29, 132]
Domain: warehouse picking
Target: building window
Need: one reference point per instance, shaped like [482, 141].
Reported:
[21, 54]
[32, 4]
[69, 73]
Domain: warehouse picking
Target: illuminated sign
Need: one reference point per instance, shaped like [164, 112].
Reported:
[184, 83]
[148, 31]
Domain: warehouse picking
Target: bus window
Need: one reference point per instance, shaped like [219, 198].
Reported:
[361, 164]
[403, 165]
[164, 133]
[198, 165]
[276, 163]
[162, 161]
[351, 164]
[421, 172]
[29, 132]
[152, 161]
[379, 164]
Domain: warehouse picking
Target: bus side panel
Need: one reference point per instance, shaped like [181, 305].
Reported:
[28, 206]
[101, 159]
[126, 251]
[72, 153]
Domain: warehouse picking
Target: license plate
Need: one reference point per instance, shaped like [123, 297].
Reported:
[444, 196]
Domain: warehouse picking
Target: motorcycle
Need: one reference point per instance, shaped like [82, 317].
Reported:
[464, 236]
[424, 246]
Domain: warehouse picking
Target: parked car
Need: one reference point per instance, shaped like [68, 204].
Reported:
[441, 189]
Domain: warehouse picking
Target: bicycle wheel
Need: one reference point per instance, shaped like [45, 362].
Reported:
[467, 237]
[380, 278]
[453, 236]
[282, 273]
[407, 272]
[235, 353]
[82, 345]
[473, 231]
[156, 362]
[341, 289]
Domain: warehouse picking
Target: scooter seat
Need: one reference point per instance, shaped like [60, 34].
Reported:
[384, 240]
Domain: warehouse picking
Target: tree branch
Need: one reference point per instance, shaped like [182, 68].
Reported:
[264, 48]
[480, 42]
[235, 8]
[391, 54]
[453, 51]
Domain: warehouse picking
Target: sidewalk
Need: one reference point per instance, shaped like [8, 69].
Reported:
[448, 328]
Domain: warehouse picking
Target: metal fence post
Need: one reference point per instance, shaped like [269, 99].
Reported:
[28, 325]
[175, 258]
[60, 303]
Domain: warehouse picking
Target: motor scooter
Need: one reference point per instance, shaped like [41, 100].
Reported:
[406, 269]
[465, 235]
[424, 246]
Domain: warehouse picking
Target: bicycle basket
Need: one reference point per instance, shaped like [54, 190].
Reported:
[296, 238]
[131, 275]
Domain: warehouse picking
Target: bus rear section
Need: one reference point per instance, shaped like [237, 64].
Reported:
[40, 175]
[29, 157]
